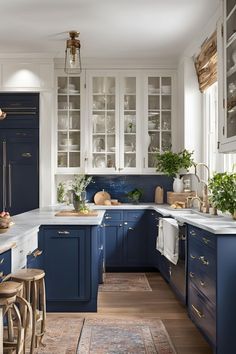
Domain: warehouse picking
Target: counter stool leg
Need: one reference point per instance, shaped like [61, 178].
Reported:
[10, 325]
[42, 296]
[34, 319]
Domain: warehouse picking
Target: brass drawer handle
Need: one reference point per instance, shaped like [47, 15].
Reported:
[203, 260]
[202, 283]
[191, 274]
[206, 240]
[193, 233]
[26, 154]
[37, 253]
[1, 274]
[63, 232]
[108, 217]
[192, 256]
[120, 225]
[2, 260]
[131, 228]
[199, 313]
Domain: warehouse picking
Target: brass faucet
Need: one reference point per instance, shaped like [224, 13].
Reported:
[205, 202]
[200, 202]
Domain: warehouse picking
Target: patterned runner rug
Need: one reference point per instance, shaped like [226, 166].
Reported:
[125, 282]
[62, 335]
[108, 336]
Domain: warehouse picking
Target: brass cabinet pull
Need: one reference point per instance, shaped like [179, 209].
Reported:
[120, 225]
[193, 233]
[131, 228]
[199, 313]
[108, 217]
[202, 283]
[206, 240]
[1, 274]
[26, 154]
[125, 223]
[63, 232]
[192, 256]
[191, 274]
[2, 260]
[37, 253]
[203, 260]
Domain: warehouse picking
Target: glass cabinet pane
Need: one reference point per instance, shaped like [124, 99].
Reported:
[129, 107]
[68, 108]
[159, 116]
[231, 69]
[103, 122]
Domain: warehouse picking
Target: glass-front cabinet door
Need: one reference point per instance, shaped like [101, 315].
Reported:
[129, 123]
[230, 77]
[158, 108]
[103, 124]
[68, 124]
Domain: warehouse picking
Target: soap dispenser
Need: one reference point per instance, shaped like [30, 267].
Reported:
[159, 195]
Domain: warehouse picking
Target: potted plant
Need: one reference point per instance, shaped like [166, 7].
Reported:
[223, 192]
[171, 164]
[78, 188]
[135, 195]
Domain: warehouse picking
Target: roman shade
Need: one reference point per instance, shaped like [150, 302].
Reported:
[206, 63]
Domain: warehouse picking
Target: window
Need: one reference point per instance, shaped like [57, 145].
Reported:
[216, 161]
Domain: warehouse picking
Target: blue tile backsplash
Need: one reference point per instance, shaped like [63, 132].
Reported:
[119, 186]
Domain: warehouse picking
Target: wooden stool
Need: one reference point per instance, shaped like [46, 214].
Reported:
[17, 314]
[34, 293]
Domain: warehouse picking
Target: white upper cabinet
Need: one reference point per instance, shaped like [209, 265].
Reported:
[125, 118]
[69, 139]
[228, 116]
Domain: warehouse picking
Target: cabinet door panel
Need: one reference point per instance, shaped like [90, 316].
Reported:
[136, 243]
[114, 245]
[67, 266]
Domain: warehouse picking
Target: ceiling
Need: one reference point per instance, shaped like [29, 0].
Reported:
[109, 28]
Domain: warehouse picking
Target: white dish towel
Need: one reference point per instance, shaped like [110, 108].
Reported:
[160, 237]
[170, 232]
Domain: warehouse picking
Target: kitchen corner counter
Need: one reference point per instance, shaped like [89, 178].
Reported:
[29, 222]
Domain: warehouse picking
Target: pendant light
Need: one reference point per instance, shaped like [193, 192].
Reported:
[72, 54]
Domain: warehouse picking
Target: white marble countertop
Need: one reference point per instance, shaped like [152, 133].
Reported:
[217, 224]
[30, 222]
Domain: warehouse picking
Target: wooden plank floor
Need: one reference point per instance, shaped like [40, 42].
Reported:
[161, 303]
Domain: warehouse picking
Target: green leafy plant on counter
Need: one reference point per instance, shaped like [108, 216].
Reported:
[135, 195]
[171, 163]
[79, 184]
[61, 192]
[223, 192]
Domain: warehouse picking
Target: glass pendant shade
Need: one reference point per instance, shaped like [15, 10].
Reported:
[72, 55]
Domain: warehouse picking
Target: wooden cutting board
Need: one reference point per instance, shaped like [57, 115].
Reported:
[75, 213]
[100, 197]
[173, 197]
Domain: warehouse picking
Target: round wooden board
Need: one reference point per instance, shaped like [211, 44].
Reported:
[100, 197]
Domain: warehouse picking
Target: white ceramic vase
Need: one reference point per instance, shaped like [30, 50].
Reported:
[178, 185]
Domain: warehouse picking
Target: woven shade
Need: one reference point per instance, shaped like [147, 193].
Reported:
[206, 63]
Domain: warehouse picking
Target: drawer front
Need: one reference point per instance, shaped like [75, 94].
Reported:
[133, 215]
[62, 232]
[202, 236]
[204, 284]
[202, 312]
[5, 264]
[113, 215]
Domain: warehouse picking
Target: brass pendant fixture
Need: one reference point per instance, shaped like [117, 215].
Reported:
[72, 54]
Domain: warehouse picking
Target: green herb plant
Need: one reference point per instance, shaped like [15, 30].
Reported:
[135, 195]
[61, 192]
[170, 163]
[223, 191]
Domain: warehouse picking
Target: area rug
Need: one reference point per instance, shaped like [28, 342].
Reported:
[62, 335]
[125, 282]
[108, 336]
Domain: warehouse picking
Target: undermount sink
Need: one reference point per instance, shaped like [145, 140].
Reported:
[194, 213]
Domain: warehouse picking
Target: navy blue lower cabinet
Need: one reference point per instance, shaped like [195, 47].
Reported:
[212, 287]
[5, 264]
[71, 264]
[153, 224]
[126, 239]
[35, 259]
